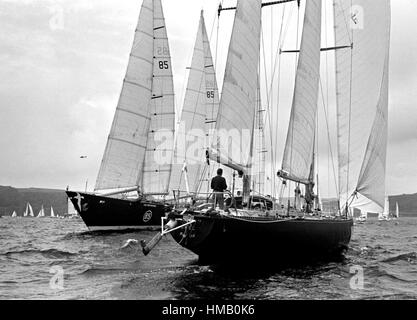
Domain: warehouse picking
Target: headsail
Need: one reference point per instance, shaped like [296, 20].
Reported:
[362, 99]
[299, 147]
[146, 106]
[198, 115]
[239, 95]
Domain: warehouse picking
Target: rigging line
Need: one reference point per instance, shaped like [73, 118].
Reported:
[267, 96]
[328, 137]
[344, 19]
[327, 90]
[291, 117]
[279, 79]
[350, 111]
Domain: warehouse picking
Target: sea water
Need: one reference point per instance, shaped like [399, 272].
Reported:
[59, 259]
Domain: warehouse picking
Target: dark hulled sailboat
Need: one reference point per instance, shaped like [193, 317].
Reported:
[133, 161]
[295, 233]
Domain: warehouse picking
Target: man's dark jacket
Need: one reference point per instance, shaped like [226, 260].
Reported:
[218, 184]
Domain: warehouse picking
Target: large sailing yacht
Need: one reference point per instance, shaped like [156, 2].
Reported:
[131, 159]
[299, 231]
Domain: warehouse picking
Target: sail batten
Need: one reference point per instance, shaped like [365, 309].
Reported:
[146, 105]
[299, 147]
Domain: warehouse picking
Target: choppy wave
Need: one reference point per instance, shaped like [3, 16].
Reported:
[410, 257]
[95, 267]
[47, 253]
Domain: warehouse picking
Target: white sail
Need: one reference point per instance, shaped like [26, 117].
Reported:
[41, 213]
[299, 147]
[362, 99]
[52, 212]
[397, 210]
[198, 116]
[14, 215]
[28, 211]
[146, 107]
[239, 95]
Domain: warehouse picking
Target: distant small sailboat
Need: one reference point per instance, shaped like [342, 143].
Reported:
[384, 216]
[363, 217]
[53, 213]
[28, 211]
[14, 215]
[41, 213]
[397, 211]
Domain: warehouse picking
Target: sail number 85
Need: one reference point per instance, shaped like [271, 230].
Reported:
[163, 65]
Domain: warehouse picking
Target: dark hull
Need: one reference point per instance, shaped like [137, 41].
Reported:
[103, 213]
[224, 239]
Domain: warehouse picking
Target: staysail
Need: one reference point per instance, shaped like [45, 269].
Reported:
[299, 147]
[362, 100]
[133, 156]
[235, 120]
[198, 116]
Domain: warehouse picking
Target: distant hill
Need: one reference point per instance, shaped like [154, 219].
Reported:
[13, 199]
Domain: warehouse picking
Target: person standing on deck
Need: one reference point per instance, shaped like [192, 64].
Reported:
[218, 184]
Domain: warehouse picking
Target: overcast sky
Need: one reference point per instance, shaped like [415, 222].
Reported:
[62, 64]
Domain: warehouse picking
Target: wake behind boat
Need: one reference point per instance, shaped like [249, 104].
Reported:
[130, 167]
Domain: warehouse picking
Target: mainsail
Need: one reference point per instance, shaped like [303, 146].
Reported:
[299, 147]
[145, 112]
[239, 95]
[362, 100]
[198, 115]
